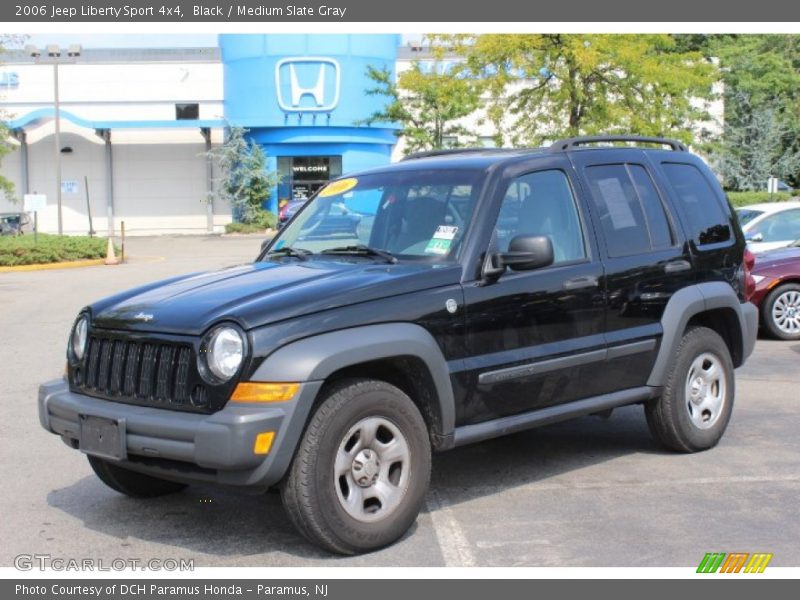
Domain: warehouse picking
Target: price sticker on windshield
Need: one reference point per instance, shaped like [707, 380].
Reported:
[338, 187]
[442, 240]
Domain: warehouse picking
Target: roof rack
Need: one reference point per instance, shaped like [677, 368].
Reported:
[454, 151]
[577, 142]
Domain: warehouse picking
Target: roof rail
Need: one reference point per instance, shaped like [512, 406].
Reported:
[454, 151]
[576, 142]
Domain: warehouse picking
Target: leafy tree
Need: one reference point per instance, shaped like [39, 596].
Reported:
[758, 143]
[6, 185]
[429, 105]
[545, 86]
[761, 74]
[245, 181]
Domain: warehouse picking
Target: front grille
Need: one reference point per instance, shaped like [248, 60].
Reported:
[147, 372]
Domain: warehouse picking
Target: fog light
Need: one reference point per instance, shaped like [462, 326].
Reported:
[250, 391]
[263, 442]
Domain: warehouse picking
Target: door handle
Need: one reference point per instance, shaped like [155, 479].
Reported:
[677, 266]
[581, 282]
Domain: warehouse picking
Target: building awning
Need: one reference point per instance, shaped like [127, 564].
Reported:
[44, 115]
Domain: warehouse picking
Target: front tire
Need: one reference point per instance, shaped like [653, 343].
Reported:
[131, 483]
[780, 312]
[693, 412]
[359, 477]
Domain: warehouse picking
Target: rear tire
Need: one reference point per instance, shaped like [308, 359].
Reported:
[359, 477]
[693, 412]
[131, 483]
[780, 312]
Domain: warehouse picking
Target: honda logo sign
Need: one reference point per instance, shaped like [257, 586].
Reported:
[307, 84]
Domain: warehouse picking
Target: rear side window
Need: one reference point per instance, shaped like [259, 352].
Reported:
[707, 221]
[630, 211]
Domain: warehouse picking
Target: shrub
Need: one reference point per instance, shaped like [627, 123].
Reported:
[23, 250]
[244, 228]
[262, 221]
[745, 198]
[265, 218]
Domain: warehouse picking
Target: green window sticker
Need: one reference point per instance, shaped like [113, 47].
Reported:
[442, 240]
[438, 246]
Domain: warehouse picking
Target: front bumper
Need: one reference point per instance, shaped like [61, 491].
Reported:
[189, 447]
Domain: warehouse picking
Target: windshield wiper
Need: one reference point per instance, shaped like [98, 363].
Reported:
[298, 253]
[363, 249]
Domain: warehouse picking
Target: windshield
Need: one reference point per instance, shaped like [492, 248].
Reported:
[745, 215]
[413, 215]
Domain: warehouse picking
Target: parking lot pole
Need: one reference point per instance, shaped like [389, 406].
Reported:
[88, 205]
[58, 147]
[206, 132]
[36, 227]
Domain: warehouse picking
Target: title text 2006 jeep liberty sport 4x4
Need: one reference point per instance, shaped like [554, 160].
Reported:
[449, 298]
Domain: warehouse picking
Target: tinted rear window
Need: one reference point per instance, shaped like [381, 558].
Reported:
[707, 221]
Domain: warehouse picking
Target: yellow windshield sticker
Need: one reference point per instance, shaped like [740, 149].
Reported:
[338, 187]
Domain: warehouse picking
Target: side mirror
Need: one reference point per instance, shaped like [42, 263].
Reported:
[756, 237]
[525, 252]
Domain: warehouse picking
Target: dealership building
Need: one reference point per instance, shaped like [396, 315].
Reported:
[135, 124]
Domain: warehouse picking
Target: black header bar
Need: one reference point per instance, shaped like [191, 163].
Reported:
[441, 11]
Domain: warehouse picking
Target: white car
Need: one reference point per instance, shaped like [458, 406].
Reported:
[770, 225]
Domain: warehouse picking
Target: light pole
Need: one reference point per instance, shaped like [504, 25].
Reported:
[53, 57]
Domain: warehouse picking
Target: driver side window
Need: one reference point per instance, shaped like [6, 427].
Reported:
[542, 203]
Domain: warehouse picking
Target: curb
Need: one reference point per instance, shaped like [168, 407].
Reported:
[70, 264]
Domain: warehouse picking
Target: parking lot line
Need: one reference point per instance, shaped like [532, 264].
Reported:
[456, 549]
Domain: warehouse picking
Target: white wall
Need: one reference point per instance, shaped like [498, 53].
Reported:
[159, 186]
[118, 92]
[160, 177]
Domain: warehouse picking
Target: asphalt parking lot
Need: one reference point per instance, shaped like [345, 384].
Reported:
[591, 492]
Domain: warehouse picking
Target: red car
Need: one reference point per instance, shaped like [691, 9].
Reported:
[777, 275]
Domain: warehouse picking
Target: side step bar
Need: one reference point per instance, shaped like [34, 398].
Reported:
[467, 434]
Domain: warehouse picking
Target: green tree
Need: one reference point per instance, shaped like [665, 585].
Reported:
[428, 104]
[757, 144]
[761, 76]
[545, 86]
[245, 181]
[6, 185]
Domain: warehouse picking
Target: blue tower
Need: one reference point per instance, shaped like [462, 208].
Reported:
[303, 98]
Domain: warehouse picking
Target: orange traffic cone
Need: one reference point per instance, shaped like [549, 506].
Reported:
[111, 257]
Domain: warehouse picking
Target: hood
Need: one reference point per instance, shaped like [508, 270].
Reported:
[264, 292]
[776, 258]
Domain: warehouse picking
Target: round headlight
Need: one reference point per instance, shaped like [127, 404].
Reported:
[224, 352]
[79, 337]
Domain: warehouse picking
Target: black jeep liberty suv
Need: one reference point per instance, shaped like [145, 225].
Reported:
[443, 300]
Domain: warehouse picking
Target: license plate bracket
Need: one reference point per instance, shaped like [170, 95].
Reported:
[103, 437]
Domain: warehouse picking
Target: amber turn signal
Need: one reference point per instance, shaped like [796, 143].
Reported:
[263, 442]
[252, 391]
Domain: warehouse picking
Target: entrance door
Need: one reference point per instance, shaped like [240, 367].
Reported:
[303, 176]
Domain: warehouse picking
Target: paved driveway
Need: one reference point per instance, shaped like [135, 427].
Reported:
[591, 492]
